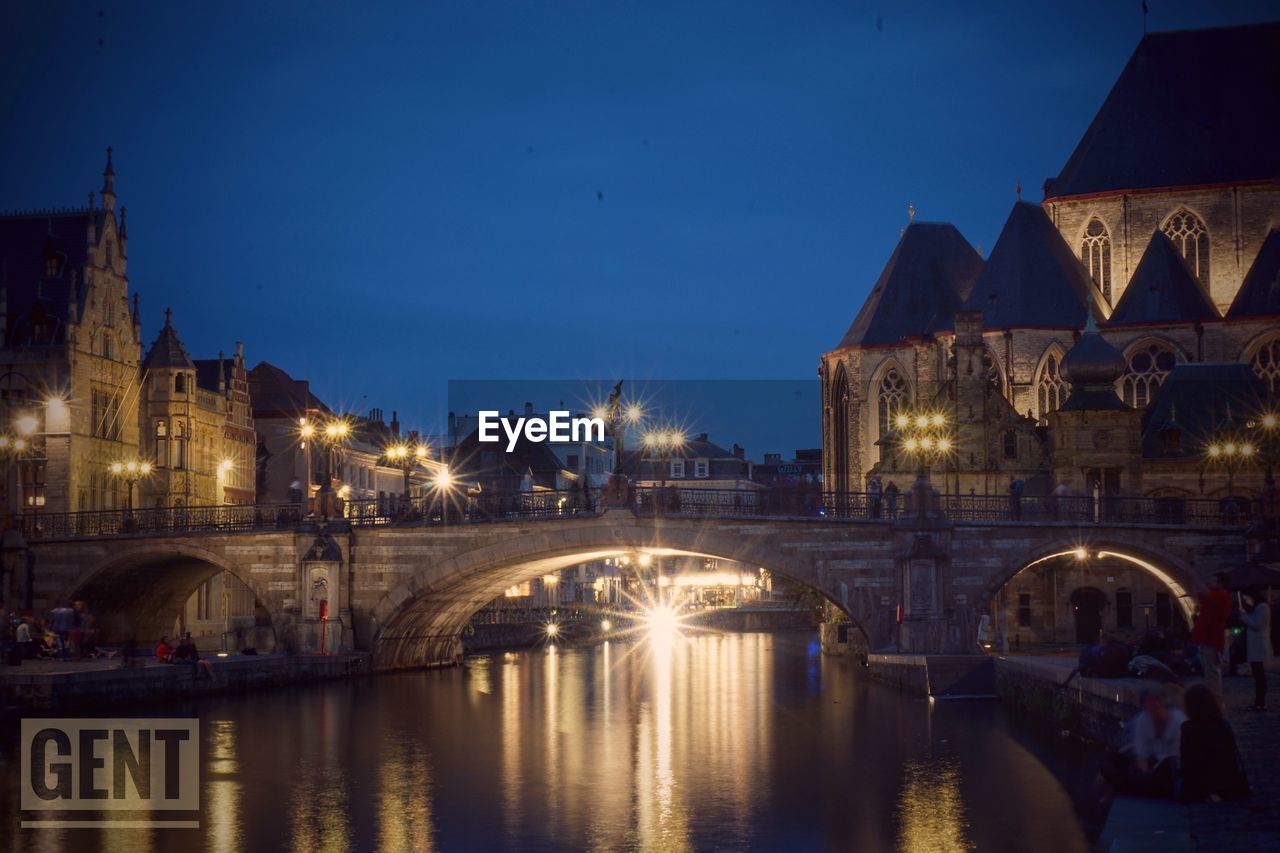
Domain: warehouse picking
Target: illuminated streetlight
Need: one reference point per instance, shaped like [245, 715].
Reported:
[131, 471]
[552, 629]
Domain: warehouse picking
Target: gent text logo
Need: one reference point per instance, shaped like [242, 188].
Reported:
[556, 427]
[83, 769]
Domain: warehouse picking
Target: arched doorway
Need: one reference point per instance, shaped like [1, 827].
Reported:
[1087, 604]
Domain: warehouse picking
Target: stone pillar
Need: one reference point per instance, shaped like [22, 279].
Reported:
[324, 616]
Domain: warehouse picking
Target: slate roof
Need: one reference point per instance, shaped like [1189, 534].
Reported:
[1163, 289]
[277, 394]
[1033, 278]
[931, 271]
[1259, 295]
[167, 351]
[1191, 107]
[1198, 398]
[25, 241]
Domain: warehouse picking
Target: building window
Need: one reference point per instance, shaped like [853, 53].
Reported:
[1124, 608]
[162, 444]
[111, 251]
[1011, 444]
[33, 484]
[701, 468]
[890, 400]
[1164, 613]
[180, 439]
[677, 468]
[1147, 369]
[1266, 363]
[571, 462]
[840, 429]
[1188, 233]
[180, 383]
[1024, 610]
[1051, 388]
[51, 266]
[1095, 252]
[108, 347]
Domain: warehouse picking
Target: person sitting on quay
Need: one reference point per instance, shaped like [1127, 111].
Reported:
[164, 651]
[1148, 765]
[1209, 757]
[188, 653]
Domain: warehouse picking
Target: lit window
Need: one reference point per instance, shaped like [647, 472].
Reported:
[891, 399]
[1051, 388]
[1095, 252]
[1191, 238]
[677, 468]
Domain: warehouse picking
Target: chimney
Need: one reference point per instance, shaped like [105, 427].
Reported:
[528, 409]
[739, 451]
[240, 351]
[395, 423]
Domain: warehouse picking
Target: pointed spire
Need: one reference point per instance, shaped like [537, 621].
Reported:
[911, 212]
[168, 318]
[109, 184]
[1017, 191]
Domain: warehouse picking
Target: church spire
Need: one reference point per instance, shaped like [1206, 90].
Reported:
[109, 184]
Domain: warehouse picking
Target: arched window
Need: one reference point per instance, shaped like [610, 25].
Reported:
[1095, 252]
[180, 383]
[1266, 363]
[891, 398]
[1145, 371]
[162, 444]
[1188, 233]
[840, 429]
[1051, 388]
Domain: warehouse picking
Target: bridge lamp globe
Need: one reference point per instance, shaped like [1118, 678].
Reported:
[902, 421]
[645, 560]
[443, 479]
[421, 452]
[1080, 554]
[552, 629]
[27, 424]
[144, 468]
[1215, 450]
[226, 465]
[926, 443]
[306, 430]
[117, 468]
[1247, 450]
[19, 444]
[922, 421]
[1270, 421]
[911, 445]
[606, 625]
[131, 467]
[938, 419]
[634, 413]
[944, 445]
[4, 442]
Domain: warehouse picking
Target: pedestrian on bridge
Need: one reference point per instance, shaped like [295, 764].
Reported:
[1209, 630]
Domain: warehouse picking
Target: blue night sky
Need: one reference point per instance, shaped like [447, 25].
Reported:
[381, 201]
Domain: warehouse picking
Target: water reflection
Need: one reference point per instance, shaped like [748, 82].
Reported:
[931, 810]
[737, 741]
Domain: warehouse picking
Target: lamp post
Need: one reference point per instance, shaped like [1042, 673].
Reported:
[662, 444]
[924, 436]
[406, 458]
[13, 448]
[130, 471]
[1232, 453]
[332, 435]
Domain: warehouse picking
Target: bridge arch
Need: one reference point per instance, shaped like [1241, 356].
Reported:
[419, 621]
[1180, 578]
[137, 593]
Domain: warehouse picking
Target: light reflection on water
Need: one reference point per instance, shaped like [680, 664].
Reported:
[726, 741]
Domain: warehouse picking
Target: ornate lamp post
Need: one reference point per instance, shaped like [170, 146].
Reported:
[406, 458]
[1231, 452]
[926, 437]
[618, 416]
[131, 472]
[662, 445]
[332, 435]
[13, 448]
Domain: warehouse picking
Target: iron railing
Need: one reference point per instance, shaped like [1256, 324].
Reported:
[731, 503]
[362, 513]
[648, 502]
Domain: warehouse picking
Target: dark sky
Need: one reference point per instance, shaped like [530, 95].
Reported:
[382, 201]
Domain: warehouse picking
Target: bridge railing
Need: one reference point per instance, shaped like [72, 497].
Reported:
[734, 503]
[361, 513]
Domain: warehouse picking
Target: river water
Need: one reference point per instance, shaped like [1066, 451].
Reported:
[734, 741]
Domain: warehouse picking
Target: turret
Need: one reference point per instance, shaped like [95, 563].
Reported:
[108, 185]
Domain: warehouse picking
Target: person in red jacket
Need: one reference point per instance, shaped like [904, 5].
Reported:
[164, 651]
[1210, 627]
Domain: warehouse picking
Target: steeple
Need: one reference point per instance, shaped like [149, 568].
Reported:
[109, 184]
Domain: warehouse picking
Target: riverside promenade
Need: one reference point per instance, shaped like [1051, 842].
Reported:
[90, 684]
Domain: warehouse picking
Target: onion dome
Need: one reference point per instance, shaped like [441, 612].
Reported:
[1092, 367]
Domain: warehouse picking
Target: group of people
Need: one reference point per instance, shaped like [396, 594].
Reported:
[185, 652]
[882, 500]
[1190, 752]
[1215, 616]
[68, 632]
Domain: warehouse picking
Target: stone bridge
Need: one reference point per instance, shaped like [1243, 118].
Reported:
[405, 593]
